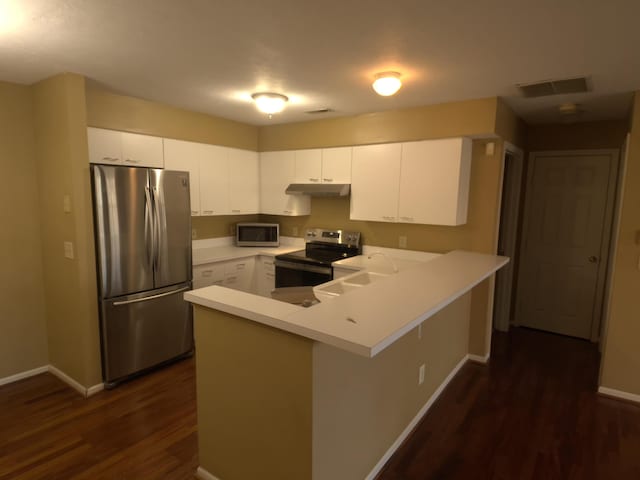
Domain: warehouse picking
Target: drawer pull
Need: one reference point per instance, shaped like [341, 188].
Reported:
[328, 179]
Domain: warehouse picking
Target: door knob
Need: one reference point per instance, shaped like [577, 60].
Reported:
[593, 259]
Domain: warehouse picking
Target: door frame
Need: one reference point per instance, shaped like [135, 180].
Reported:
[603, 277]
[504, 287]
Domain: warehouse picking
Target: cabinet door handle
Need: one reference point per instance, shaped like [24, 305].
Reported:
[407, 219]
[287, 212]
[194, 212]
[131, 161]
[314, 179]
[390, 219]
[269, 274]
[207, 273]
[328, 179]
[110, 159]
[207, 212]
[235, 211]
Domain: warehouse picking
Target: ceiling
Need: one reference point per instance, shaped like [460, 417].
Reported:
[209, 56]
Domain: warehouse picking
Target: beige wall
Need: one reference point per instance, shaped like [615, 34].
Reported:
[575, 136]
[621, 356]
[254, 389]
[23, 337]
[219, 226]
[63, 169]
[362, 405]
[468, 118]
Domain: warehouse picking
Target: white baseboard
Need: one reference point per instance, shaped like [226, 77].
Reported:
[632, 397]
[95, 389]
[68, 380]
[479, 359]
[202, 474]
[385, 458]
[23, 375]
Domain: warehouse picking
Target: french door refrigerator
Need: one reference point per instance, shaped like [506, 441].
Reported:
[142, 220]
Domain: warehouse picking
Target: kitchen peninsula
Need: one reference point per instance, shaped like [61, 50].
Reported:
[328, 392]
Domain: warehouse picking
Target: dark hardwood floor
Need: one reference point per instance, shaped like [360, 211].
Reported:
[531, 414]
[145, 429]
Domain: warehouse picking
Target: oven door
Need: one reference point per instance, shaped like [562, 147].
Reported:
[292, 274]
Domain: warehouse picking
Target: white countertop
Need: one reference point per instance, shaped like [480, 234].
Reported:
[382, 311]
[219, 250]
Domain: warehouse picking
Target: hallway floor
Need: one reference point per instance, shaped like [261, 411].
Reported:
[533, 413]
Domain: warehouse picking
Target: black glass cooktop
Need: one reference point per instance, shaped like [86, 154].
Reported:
[314, 255]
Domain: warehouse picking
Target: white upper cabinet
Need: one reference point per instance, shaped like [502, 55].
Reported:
[185, 156]
[375, 178]
[326, 165]
[142, 150]
[105, 146]
[308, 166]
[244, 182]
[214, 180]
[434, 182]
[336, 165]
[124, 148]
[277, 171]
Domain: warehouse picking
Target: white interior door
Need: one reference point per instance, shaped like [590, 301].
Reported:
[565, 229]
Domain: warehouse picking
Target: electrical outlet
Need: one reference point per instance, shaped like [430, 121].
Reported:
[421, 374]
[66, 203]
[402, 241]
[194, 234]
[68, 250]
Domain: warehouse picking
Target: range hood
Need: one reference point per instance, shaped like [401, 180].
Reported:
[319, 189]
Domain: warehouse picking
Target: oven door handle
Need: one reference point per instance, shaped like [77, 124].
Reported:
[302, 266]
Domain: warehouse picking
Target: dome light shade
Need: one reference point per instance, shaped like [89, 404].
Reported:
[387, 83]
[270, 103]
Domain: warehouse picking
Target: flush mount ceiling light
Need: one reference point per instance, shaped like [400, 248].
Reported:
[387, 83]
[270, 103]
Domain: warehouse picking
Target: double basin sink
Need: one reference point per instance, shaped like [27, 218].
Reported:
[340, 286]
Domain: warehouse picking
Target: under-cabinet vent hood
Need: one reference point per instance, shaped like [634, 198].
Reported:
[319, 189]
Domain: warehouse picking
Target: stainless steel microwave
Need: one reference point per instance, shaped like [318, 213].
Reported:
[257, 234]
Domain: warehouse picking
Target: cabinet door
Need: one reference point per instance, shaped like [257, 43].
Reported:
[336, 165]
[238, 274]
[185, 156]
[142, 150]
[276, 173]
[105, 146]
[308, 166]
[214, 180]
[375, 178]
[208, 274]
[244, 182]
[434, 181]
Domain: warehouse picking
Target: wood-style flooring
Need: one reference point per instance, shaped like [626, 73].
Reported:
[531, 414]
[142, 430]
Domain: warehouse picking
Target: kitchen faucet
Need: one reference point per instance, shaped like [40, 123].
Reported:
[393, 263]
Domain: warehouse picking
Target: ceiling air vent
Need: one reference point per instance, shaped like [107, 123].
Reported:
[554, 87]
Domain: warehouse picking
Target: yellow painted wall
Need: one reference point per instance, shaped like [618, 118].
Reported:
[23, 337]
[621, 355]
[63, 169]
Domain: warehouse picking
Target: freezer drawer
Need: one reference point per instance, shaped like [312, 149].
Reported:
[144, 330]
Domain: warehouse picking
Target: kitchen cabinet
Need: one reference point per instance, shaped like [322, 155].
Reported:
[238, 274]
[214, 180]
[208, 274]
[277, 171]
[434, 181]
[326, 165]
[124, 148]
[186, 156]
[424, 182]
[223, 180]
[265, 277]
[244, 182]
[375, 174]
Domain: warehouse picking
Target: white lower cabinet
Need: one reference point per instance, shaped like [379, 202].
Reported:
[265, 278]
[238, 274]
[208, 274]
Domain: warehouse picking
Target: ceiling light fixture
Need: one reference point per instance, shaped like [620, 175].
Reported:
[387, 83]
[270, 103]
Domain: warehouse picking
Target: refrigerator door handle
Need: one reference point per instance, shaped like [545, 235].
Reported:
[149, 231]
[152, 297]
[157, 247]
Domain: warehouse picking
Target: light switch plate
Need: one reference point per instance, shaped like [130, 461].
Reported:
[68, 250]
[66, 203]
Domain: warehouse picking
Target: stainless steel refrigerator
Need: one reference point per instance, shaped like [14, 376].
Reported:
[143, 239]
